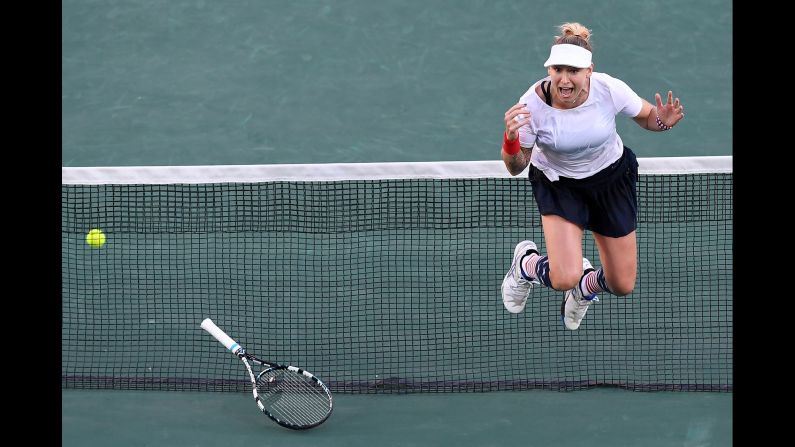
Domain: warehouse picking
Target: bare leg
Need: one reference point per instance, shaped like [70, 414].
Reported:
[563, 241]
[619, 256]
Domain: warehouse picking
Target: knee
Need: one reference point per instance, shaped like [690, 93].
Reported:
[622, 287]
[565, 280]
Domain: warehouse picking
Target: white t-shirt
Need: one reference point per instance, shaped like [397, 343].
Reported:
[582, 141]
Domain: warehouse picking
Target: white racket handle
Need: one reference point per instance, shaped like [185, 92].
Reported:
[221, 336]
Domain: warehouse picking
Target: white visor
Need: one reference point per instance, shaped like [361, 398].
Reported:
[570, 55]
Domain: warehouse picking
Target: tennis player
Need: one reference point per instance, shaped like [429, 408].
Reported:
[582, 176]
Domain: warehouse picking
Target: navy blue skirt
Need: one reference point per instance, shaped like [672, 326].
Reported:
[605, 203]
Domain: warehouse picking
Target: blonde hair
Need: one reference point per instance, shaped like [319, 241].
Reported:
[575, 34]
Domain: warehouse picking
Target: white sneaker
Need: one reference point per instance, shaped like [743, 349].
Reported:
[516, 289]
[574, 305]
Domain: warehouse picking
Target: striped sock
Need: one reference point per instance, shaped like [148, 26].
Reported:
[594, 282]
[524, 265]
[537, 264]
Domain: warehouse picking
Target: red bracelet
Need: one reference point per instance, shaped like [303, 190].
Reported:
[511, 147]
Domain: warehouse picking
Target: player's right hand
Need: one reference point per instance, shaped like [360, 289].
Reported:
[516, 117]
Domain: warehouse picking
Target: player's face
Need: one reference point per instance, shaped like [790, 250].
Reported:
[569, 83]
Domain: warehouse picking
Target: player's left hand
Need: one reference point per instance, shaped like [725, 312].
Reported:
[670, 113]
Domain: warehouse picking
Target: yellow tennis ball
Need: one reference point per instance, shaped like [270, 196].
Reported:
[95, 238]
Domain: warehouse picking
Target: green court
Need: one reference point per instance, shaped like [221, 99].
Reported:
[535, 418]
[414, 355]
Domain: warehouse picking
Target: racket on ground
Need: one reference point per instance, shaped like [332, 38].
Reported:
[290, 396]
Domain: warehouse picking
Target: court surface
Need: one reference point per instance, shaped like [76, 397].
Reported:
[250, 82]
[538, 418]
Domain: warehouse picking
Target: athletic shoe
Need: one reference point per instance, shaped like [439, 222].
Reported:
[574, 305]
[515, 288]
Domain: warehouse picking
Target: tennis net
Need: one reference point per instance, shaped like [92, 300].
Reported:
[381, 278]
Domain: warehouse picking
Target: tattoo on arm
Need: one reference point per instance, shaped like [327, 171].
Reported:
[517, 162]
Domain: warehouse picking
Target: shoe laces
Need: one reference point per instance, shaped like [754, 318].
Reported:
[519, 279]
[582, 300]
[586, 300]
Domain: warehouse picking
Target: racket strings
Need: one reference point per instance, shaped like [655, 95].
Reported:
[293, 397]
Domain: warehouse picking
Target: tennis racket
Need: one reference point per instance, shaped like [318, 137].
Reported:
[290, 396]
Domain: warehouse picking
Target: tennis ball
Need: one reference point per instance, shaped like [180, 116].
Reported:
[95, 238]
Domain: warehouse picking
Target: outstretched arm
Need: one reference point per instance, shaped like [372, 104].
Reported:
[660, 118]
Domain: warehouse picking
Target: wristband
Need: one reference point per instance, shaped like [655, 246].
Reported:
[511, 147]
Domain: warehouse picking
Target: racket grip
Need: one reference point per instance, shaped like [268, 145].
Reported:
[221, 336]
